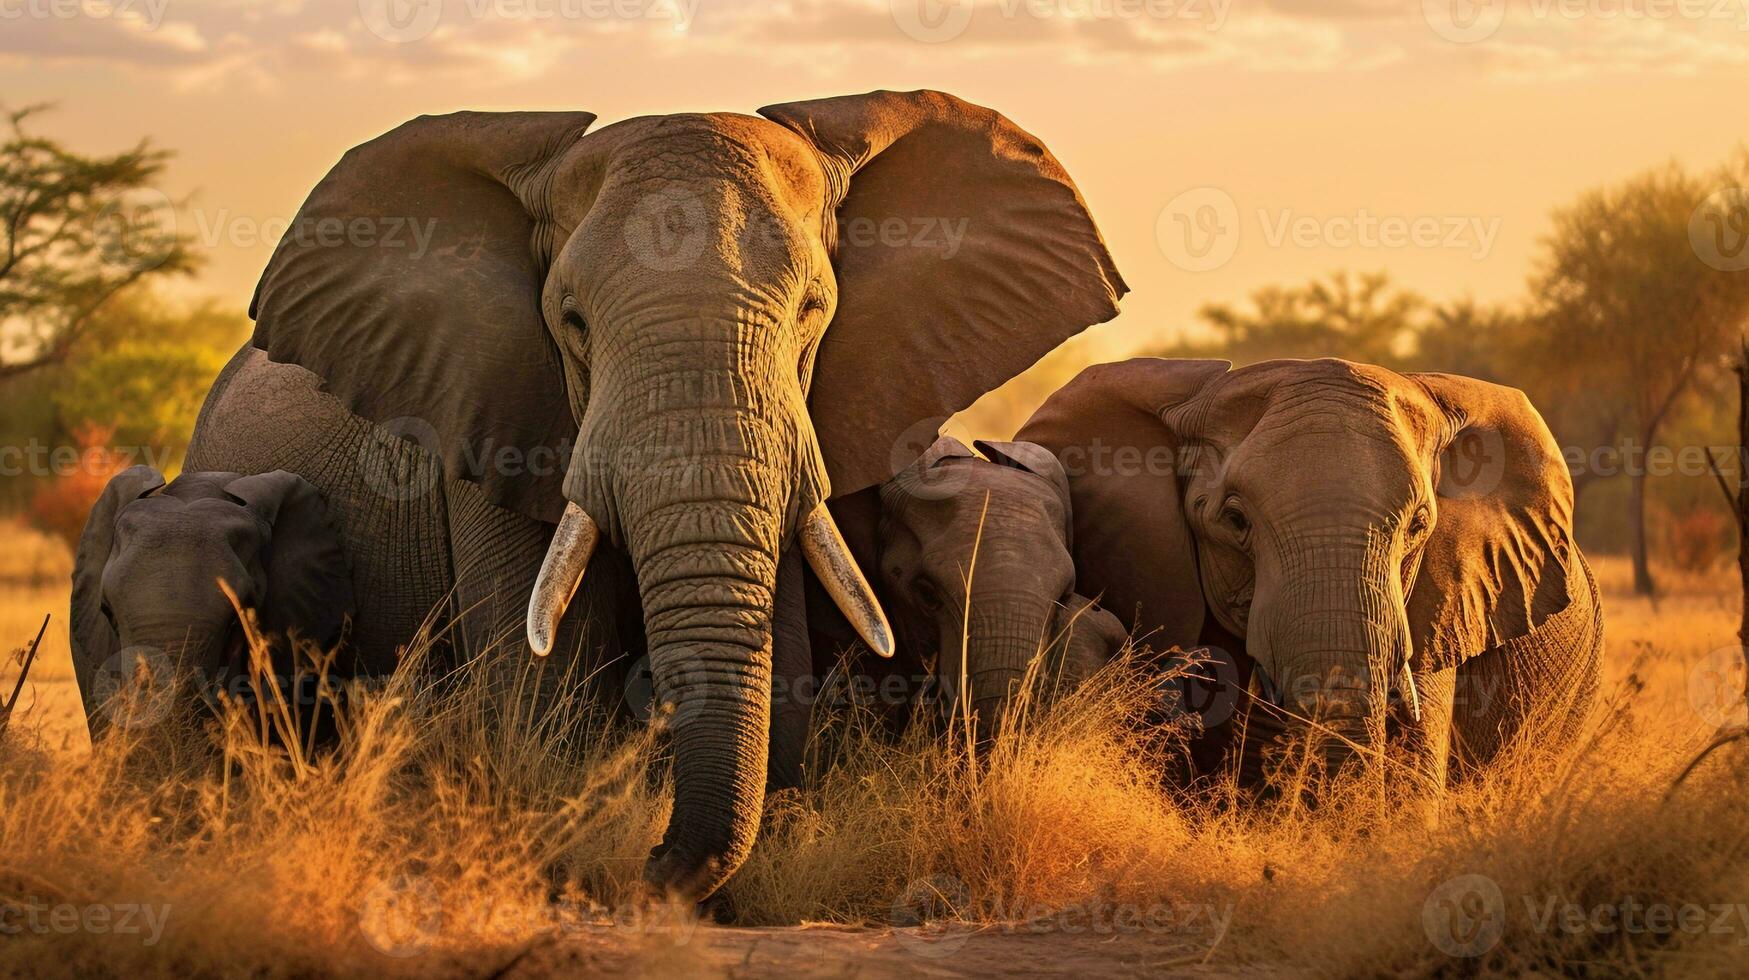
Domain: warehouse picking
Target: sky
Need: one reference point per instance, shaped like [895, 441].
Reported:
[1223, 145]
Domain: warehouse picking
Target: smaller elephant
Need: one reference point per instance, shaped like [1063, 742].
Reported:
[1373, 549]
[1009, 509]
[146, 574]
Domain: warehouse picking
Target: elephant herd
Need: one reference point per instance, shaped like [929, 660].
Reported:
[654, 393]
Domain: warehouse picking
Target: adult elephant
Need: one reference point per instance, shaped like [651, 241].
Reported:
[1366, 537]
[660, 292]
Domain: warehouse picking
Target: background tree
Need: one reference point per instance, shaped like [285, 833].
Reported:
[1623, 297]
[75, 231]
[1362, 317]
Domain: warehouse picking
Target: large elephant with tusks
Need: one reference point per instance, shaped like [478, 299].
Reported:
[678, 336]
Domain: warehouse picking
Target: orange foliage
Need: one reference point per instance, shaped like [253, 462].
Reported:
[1695, 538]
[61, 504]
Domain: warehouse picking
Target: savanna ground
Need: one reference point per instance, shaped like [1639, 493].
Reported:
[436, 842]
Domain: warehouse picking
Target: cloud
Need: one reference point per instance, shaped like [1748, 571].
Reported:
[201, 43]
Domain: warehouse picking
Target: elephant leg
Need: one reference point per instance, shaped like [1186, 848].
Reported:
[496, 555]
[793, 685]
[382, 491]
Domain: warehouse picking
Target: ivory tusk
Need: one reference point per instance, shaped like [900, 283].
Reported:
[829, 557]
[1406, 688]
[560, 574]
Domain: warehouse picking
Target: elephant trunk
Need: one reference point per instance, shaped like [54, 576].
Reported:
[708, 610]
[169, 664]
[695, 457]
[1335, 642]
[1004, 635]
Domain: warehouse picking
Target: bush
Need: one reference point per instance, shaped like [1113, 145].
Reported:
[1695, 538]
[60, 506]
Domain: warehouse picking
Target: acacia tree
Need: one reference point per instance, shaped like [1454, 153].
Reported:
[1362, 317]
[75, 231]
[1635, 312]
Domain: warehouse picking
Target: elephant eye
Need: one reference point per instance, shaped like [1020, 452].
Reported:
[928, 596]
[570, 315]
[1235, 519]
[1419, 524]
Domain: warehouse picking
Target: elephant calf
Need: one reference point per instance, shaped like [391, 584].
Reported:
[146, 574]
[1368, 545]
[1012, 507]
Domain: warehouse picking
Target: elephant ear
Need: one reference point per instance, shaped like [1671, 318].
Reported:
[93, 638]
[309, 583]
[963, 254]
[1501, 555]
[1040, 462]
[410, 282]
[1134, 552]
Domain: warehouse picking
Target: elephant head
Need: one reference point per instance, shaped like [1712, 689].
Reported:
[975, 560]
[1356, 528]
[728, 318]
[146, 574]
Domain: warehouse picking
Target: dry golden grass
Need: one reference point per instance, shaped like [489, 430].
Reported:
[438, 839]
